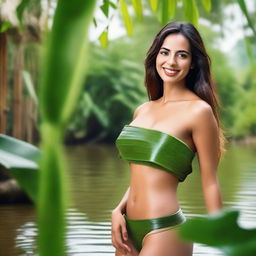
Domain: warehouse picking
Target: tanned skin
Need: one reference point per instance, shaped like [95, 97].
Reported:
[153, 192]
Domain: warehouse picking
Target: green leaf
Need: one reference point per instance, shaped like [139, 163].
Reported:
[94, 22]
[20, 9]
[105, 7]
[104, 39]
[207, 4]
[52, 193]
[196, 15]
[165, 12]
[100, 115]
[29, 85]
[154, 5]
[172, 7]
[21, 160]
[191, 11]
[112, 5]
[249, 48]
[5, 26]
[187, 6]
[65, 60]
[137, 5]
[64, 66]
[126, 17]
[221, 231]
[246, 14]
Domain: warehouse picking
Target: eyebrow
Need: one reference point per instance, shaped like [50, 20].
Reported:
[176, 51]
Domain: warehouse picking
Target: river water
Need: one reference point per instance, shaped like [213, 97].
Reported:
[98, 179]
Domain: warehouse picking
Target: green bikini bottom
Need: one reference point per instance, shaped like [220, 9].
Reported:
[139, 228]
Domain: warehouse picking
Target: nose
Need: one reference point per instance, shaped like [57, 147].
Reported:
[171, 60]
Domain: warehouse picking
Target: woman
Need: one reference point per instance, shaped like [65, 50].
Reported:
[179, 120]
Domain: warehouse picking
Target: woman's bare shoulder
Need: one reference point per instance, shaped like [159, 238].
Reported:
[201, 107]
[142, 107]
[201, 112]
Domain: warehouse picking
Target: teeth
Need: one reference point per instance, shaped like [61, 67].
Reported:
[171, 71]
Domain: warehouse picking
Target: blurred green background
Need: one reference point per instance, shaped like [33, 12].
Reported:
[115, 78]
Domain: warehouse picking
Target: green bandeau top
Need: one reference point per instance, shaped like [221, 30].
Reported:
[157, 149]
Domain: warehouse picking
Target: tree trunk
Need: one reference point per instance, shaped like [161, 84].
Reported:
[3, 82]
[18, 89]
[29, 119]
[30, 106]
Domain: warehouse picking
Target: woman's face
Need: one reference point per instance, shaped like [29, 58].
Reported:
[174, 59]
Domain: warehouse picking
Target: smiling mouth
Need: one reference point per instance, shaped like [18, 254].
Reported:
[171, 72]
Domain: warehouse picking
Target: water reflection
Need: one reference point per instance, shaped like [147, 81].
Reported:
[83, 236]
[98, 179]
[11, 220]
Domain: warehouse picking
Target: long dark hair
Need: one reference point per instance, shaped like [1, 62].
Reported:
[198, 80]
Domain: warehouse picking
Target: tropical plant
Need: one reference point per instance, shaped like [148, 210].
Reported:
[29, 13]
[57, 105]
[64, 63]
[114, 87]
[21, 160]
[189, 10]
[18, 55]
[223, 232]
[245, 122]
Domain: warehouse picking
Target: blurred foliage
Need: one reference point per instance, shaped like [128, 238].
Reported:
[21, 160]
[64, 64]
[237, 89]
[118, 77]
[188, 10]
[114, 86]
[224, 77]
[221, 231]
[245, 122]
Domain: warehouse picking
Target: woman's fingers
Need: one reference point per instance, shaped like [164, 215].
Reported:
[125, 235]
[119, 233]
[117, 239]
[124, 232]
[118, 243]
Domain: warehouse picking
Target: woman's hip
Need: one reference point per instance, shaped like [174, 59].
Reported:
[139, 228]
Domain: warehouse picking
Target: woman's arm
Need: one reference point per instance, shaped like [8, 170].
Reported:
[206, 138]
[121, 207]
[118, 230]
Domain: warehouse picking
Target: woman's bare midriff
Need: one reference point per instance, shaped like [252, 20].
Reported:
[153, 193]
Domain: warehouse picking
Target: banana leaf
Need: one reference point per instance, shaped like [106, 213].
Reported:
[223, 232]
[21, 161]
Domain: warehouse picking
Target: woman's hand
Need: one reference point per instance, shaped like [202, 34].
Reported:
[119, 231]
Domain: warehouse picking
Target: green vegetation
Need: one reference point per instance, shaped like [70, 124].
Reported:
[119, 77]
[21, 160]
[97, 119]
[244, 111]
[223, 232]
[114, 87]
[63, 69]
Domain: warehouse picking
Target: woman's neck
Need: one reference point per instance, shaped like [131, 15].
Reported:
[174, 92]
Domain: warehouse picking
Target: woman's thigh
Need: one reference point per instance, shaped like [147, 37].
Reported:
[166, 243]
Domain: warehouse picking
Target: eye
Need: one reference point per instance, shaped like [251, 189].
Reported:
[164, 53]
[182, 55]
